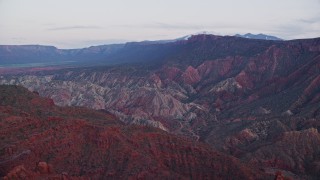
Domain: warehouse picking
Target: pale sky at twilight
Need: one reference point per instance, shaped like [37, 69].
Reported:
[81, 23]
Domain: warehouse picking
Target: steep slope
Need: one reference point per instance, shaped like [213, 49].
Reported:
[41, 140]
[278, 143]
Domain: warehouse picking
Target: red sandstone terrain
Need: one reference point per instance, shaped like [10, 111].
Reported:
[256, 100]
[39, 140]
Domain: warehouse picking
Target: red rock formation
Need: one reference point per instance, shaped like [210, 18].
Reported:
[300, 151]
[44, 168]
[170, 73]
[191, 76]
[84, 143]
[20, 172]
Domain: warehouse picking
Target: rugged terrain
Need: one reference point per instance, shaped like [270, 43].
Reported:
[41, 140]
[254, 99]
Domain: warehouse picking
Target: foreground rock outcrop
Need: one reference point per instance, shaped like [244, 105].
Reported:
[39, 140]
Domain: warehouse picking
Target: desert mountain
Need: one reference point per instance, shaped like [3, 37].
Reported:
[256, 100]
[131, 52]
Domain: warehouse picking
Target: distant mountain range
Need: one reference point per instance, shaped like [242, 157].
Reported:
[259, 36]
[23, 55]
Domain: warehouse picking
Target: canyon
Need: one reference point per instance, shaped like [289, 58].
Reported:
[256, 101]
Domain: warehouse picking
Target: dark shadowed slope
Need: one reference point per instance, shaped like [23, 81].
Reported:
[41, 140]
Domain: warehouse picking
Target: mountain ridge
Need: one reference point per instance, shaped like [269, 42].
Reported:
[107, 54]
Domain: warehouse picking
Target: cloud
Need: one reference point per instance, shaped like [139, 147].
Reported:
[18, 38]
[298, 29]
[172, 26]
[160, 25]
[73, 27]
[312, 20]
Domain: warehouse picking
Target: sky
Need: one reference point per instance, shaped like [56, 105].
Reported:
[81, 23]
